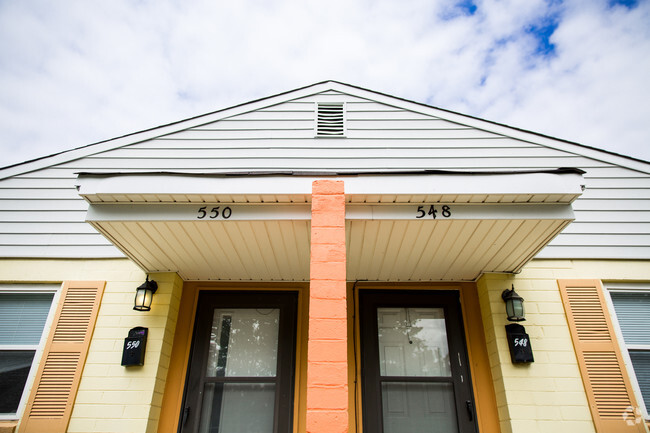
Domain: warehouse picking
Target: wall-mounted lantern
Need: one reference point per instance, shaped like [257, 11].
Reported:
[514, 305]
[144, 295]
[521, 350]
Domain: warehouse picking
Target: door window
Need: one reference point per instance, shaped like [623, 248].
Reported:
[241, 371]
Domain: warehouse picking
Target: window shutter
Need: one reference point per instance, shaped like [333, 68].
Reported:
[607, 384]
[59, 372]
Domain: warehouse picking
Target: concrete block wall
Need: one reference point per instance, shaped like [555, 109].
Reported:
[327, 374]
[548, 395]
[113, 398]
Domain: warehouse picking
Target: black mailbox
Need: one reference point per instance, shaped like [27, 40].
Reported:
[519, 342]
[134, 346]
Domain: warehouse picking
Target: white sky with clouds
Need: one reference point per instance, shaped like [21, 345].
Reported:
[75, 72]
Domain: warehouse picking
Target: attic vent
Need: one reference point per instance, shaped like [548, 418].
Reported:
[330, 120]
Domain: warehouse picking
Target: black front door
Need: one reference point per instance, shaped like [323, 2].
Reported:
[415, 374]
[240, 377]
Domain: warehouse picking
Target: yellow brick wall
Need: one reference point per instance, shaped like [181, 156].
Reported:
[546, 396]
[112, 398]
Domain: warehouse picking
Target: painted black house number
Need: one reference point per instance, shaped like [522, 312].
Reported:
[432, 211]
[214, 213]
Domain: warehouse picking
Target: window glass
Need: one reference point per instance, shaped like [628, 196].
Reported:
[413, 342]
[22, 319]
[633, 315]
[14, 369]
[244, 342]
[641, 363]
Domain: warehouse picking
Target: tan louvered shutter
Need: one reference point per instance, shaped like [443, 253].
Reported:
[608, 387]
[57, 380]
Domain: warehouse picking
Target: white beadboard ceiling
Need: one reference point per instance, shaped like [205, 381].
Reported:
[487, 224]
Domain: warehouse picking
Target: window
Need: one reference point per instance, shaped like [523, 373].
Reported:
[631, 303]
[23, 315]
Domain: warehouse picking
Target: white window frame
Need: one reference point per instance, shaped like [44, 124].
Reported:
[54, 289]
[625, 348]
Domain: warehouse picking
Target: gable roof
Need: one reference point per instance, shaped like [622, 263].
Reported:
[319, 88]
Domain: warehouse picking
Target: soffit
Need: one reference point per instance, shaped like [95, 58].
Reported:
[483, 223]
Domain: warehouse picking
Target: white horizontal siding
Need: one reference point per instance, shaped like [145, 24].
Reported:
[42, 216]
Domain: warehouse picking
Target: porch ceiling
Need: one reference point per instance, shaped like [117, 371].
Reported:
[483, 223]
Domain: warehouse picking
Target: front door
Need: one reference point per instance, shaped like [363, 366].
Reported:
[240, 377]
[415, 375]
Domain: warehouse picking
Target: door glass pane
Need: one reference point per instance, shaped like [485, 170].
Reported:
[238, 408]
[413, 342]
[418, 407]
[244, 342]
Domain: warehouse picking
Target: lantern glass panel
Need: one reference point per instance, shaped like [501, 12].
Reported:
[143, 298]
[518, 308]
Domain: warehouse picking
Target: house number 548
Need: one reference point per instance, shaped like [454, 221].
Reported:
[523, 342]
[432, 211]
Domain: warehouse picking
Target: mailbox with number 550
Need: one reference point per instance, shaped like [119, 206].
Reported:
[134, 346]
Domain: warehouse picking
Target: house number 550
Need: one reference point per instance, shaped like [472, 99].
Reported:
[213, 213]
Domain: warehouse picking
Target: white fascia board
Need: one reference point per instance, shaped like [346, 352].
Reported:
[466, 184]
[388, 184]
[454, 212]
[169, 184]
[203, 212]
[199, 212]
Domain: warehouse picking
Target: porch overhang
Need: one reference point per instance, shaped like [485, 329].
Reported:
[400, 226]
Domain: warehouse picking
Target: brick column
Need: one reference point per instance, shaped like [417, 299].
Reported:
[327, 376]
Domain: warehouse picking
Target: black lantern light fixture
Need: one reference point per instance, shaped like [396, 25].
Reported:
[144, 295]
[514, 305]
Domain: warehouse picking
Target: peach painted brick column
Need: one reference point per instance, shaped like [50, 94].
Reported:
[327, 371]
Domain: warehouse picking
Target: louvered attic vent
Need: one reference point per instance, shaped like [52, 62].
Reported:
[330, 120]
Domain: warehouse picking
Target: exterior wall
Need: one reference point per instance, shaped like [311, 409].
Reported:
[41, 214]
[547, 395]
[112, 398]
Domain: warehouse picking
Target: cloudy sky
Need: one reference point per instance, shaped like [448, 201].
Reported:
[74, 72]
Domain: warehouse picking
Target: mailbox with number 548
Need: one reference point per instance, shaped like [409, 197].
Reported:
[519, 343]
[134, 346]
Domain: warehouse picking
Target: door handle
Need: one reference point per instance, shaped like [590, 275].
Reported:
[186, 415]
[470, 409]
